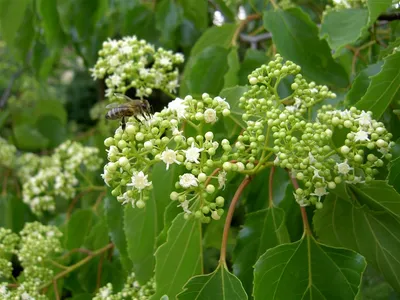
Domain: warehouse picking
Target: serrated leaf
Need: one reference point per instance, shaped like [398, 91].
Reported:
[168, 20]
[180, 258]
[394, 174]
[140, 227]
[78, 228]
[343, 27]
[383, 87]
[114, 213]
[234, 123]
[378, 196]
[361, 83]
[376, 8]
[261, 231]
[308, 270]
[296, 38]
[11, 16]
[231, 76]
[220, 284]
[98, 236]
[374, 235]
[196, 11]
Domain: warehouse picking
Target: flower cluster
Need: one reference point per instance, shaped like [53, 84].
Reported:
[132, 63]
[53, 176]
[7, 153]
[8, 242]
[132, 290]
[132, 152]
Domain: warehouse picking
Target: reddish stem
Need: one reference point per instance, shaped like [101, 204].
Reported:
[270, 192]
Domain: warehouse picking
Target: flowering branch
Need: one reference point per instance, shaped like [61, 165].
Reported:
[229, 216]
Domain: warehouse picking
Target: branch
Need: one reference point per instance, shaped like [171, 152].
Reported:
[389, 17]
[307, 228]
[270, 192]
[235, 199]
[7, 91]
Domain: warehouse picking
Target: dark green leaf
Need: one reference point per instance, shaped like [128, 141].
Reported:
[140, 230]
[383, 87]
[50, 107]
[296, 38]
[261, 231]
[98, 236]
[14, 213]
[29, 138]
[394, 174]
[361, 83]
[11, 16]
[343, 27]
[196, 11]
[51, 23]
[220, 284]
[78, 228]
[25, 35]
[180, 258]
[376, 8]
[234, 123]
[207, 72]
[389, 49]
[4, 114]
[308, 270]
[52, 129]
[114, 213]
[231, 77]
[168, 19]
[374, 235]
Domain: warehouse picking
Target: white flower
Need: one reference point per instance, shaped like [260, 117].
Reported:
[276, 160]
[192, 154]
[114, 61]
[221, 180]
[222, 101]
[169, 157]
[105, 293]
[218, 18]
[176, 131]
[113, 151]
[115, 80]
[172, 85]
[316, 174]
[143, 72]
[139, 181]
[313, 90]
[210, 115]
[185, 207]
[126, 199]
[361, 136]
[158, 79]
[179, 107]
[319, 192]
[300, 199]
[187, 180]
[242, 13]
[106, 177]
[345, 114]
[291, 108]
[364, 119]
[343, 168]
[165, 61]
[26, 296]
[126, 49]
[311, 158]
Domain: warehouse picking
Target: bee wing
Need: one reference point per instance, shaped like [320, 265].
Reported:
[122, 96]
[113, 105]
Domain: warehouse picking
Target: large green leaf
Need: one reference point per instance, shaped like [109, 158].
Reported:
[374, 235]
[308, 270]
[220, 284]
[383, 88]
[29, 138]
[253, 59]
[78, 228]
[52, 129]
[296, 38]
[114, 213]
[196, 11]
[51, 23]
[376, 8]
[11, 16]
[389, 49]
[14, 213]
[261, 231]
[168, 20]
[361, 83]
[180, 258]
[207, 71]
[394, 174]
[141, 230]
[98, 236]
[231, 76]
[343, 27]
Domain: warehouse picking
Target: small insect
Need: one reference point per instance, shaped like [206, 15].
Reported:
[133, 107]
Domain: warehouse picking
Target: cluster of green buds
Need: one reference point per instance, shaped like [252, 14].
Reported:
[132, 152]
[132, 290]
[34, 246]
[47, 177]
[132, 63]
[7, 154]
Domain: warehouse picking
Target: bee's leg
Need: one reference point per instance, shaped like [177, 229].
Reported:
[123, 124]
[137, 119]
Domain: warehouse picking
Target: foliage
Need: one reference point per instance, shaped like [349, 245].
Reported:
[266, 168]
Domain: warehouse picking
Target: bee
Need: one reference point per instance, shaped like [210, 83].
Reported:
[133, 107]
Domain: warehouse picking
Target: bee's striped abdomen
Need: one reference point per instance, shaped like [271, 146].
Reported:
[119, 112]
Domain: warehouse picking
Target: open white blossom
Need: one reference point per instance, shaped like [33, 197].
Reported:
[218, 18]
[169, 157]
[364, 119]
[193, 153]
[241, 13]
[139, 181]
[319, 192]
[361, 136]
[317, 175]
[187, 180]
[222, 101]
[343, 168]
[185, 207]
[210, 116]
[311, 158]
[165, 61]
[221, 179]
[124, 198]
[300, 199]
[179, 107]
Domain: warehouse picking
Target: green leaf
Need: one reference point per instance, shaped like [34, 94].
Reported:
[212, 62]
[170, 212]
[376, 8]
[220, 284]
[140, 230]
[78, 228]
[180, 258]
[390, 48]
[374, 235]
[115, 221]
[261, 231]
[383, 88]
[308, 270]
[98, 236]
[361, 83]
[343, 27]
[29, 138]
[52, 129]
[11, 16]
[50, 107]
[51, 23]
[231, 76]
[26, 35]
[296, 39]
[4, 114]
[394, 174]
[14, 213]
[234, 123]
[168, 20]
[196, 11]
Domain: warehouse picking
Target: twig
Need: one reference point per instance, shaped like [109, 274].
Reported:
[389, 17]
[56, 289]
[73, 203]
[99, 271]
[231, 210]
[307, 228]
[79, 250]
[270, 192]
[98, 200]
[242, 24]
